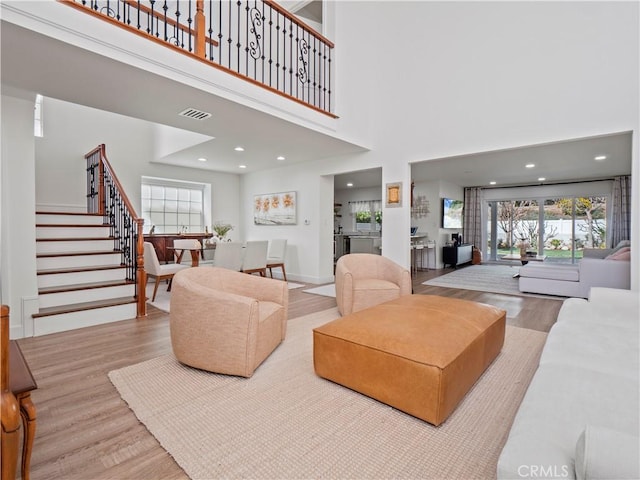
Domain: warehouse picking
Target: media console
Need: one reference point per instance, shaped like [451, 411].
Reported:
[455, 255]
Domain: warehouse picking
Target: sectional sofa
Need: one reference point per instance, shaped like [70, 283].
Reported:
[598, 268]
[579, 417]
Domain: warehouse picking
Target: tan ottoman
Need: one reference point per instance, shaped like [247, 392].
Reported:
[420, 353]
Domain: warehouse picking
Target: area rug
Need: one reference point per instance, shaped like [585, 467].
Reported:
[285, 422]
[485, 278]
[324, 290]
[293, 285]
[163, 298]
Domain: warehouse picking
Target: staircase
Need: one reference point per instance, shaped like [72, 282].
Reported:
[81, 280]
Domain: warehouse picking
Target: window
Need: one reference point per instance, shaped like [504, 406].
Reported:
[362, 212]
[173, 206]
[38, 127]
[559, 228]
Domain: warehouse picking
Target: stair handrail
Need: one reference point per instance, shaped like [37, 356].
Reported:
[255, 40]
[107, 197]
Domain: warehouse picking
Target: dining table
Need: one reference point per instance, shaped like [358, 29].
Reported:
[196, 253]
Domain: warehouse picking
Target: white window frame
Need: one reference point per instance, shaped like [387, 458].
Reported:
[185, 221]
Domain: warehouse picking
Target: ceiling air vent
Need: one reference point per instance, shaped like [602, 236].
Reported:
[195, 114]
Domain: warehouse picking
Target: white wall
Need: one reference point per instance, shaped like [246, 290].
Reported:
[309, 242]
[18, 285]
[431, 225]
[72, 130]
[465, 77]
[459, 78]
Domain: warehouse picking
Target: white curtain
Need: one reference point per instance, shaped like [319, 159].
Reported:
[621, 210]
[365, 206]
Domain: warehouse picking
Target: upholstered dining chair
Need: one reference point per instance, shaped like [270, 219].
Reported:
[255, 257]
[191, 245]
[228, 255]
[276, 255]
[160, 272]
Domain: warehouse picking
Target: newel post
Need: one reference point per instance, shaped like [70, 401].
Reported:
[102, 202]
[9, 409]
[200, 32]
[141, 310]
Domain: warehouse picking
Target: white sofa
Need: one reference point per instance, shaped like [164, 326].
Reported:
[574, 280]
[579, 417]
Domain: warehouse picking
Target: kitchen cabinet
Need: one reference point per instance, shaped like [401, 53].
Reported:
[363, 244]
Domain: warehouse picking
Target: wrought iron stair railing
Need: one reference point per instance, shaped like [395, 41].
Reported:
[105, 196]
[256, 40]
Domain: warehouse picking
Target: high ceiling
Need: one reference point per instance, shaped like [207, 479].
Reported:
[555, 162]
[34, 63]
[558, 162]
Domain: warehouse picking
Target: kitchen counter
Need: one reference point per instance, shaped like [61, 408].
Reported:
[365, 244]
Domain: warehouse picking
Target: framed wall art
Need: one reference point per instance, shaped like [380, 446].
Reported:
[275, 208]
[394, 195]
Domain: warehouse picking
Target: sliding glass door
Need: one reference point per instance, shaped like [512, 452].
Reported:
[559, 228]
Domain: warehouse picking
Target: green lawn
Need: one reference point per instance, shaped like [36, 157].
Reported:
[549, 253]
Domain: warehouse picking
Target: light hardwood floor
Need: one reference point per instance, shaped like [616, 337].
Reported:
[86, 431]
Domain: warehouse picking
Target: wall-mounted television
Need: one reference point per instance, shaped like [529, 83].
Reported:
[452, 213]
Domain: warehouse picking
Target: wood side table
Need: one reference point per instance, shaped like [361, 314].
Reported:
[21, 384]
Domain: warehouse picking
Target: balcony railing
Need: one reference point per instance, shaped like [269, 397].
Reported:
[258, 41]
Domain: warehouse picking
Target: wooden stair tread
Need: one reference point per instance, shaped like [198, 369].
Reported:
[73, 225]
[53, 271]
[76, 254]
[84, 286]
[83, 214]
[73, 239]
[79, 307]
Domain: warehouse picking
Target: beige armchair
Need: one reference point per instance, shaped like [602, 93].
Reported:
[225, 321]
[364, 280]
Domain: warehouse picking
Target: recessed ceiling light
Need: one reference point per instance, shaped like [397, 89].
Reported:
[239, 149]
[280, 158]
[599, 158]
[541, 179]
[202, 159]
[349, 184]
[242, 166]
[530, 165]
[492, 183]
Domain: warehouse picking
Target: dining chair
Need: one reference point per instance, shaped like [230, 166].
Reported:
[276, 256]
[160, 272]
[255, 257]
[192, 245]
[228, 255]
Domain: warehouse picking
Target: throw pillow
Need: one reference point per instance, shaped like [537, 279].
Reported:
[623, 254]
[621, 244]
[603, 453]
